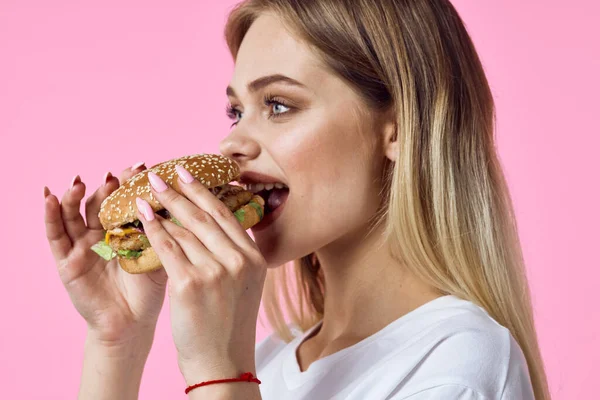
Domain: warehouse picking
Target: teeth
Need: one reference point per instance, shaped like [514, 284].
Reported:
[257, 187]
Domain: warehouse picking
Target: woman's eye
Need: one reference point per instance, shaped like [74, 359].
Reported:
[279, 108]
[234, 114]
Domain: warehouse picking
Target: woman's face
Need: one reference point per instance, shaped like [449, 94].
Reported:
[315, 137]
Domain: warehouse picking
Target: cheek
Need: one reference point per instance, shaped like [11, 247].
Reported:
[331, 167]
[323, 148]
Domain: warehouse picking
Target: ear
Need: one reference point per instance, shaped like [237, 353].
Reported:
[390, 140]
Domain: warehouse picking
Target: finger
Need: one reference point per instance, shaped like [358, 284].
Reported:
[69, 207]
[93, 203]
[193, 218]
[170, 254]
[201, 197]
[130, 172]
[194, 250]
[111, 184]
[60, 243]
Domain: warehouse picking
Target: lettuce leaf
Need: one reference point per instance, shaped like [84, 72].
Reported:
[240, 214]
[174, 220]
[145, 241]
[129, 253]
[104, 250]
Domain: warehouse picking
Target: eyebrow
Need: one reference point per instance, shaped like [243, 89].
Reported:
[260, 83]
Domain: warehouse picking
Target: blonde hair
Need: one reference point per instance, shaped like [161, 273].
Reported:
[448, 214]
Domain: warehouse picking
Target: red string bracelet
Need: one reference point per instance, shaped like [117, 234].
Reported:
[245, 377]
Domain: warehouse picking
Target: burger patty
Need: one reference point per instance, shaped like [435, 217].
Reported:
[132, 241]
[234, 197]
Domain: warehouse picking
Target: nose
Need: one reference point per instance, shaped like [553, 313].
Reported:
[239, 147]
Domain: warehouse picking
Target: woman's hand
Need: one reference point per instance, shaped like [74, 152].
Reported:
[118, 307]
[216, 276]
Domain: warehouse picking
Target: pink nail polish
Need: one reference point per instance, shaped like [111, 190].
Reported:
[107, 177]
[137, 165]
[184, 174]
[144, 208]
[158, 184]
[75, 180]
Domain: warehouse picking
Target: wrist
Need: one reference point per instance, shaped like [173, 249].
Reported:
[113, 370]
[246, 387]
[227, 391]
[194, 374]
[133, 346]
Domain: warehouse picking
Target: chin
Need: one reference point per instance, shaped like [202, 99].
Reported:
[288, 237]
[272, 239]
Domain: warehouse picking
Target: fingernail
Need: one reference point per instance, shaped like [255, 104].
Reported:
[75, 180]
[137, 165]
[156, 182]
[144, 208]
[46, 191]
[107, 177]
[184, 174]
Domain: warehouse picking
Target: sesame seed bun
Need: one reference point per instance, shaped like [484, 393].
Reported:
[119, 207]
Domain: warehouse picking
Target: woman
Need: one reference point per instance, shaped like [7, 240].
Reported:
[410, 281]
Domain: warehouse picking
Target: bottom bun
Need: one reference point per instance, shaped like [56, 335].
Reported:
[147, 262]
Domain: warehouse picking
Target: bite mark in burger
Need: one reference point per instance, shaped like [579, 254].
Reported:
[125, 237]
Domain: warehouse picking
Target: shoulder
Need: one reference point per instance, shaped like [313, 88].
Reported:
[466, 350]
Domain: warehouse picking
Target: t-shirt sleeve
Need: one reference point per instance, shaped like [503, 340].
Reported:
[473, 364]
[450, 391]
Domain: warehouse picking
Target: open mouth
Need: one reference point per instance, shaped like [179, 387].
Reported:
[274, 194]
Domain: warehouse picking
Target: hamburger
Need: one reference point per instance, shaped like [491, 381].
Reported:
[124, 233]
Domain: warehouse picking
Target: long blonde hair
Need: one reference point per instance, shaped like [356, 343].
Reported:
[448, 214]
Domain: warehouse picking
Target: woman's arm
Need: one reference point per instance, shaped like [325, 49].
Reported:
[113, 371]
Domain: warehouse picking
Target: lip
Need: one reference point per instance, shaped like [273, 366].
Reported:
[270, 218]
[249, 177]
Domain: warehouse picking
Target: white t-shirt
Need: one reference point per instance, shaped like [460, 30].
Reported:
[448, 349]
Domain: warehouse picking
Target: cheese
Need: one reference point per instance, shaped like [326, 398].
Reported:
[119, 232]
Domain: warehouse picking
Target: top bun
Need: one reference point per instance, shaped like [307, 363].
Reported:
[120, 208]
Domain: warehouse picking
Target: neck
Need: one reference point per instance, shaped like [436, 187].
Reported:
[365, 287]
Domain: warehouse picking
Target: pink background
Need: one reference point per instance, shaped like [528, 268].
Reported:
[96, 87]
